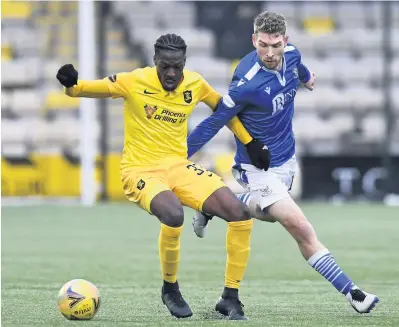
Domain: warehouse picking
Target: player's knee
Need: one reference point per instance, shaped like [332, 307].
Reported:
[173, 216]
[298, 226]
[238, 212]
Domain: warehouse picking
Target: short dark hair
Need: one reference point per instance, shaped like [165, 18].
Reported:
[270, 23]
[170, 42]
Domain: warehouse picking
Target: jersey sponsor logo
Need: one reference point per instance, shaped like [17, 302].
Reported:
[148, 92]
[267, 90]
[278, 103]
[140, 184]
[112, 78]
[188, 97]
[150, 110]
[281, 99]
[170, 116]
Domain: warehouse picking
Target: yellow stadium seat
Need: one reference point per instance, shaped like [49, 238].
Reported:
[59, 100]
[318, 25]
[114, 36]
[6, 53]
[16, 9]
[234, 65]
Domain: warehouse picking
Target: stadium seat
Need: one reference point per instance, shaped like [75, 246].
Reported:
[6, 53]
[350, 15]
[373, 127]
[306, 101]
[212, 69]
[289, 10]
[26, 103]
[6, 100]
[39, 133]
[15, 10]
[14, 131]
[323, 69]
[328, 100]
[364, 98]
[20, 72]
[301, 125]
[395, 69]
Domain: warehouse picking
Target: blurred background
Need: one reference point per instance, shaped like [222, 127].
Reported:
[347, 130]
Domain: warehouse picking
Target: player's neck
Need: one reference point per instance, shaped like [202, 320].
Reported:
[280, 65]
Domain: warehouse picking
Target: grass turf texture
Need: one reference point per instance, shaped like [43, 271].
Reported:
[115, 247]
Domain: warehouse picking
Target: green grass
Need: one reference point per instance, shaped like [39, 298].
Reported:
[115, 247]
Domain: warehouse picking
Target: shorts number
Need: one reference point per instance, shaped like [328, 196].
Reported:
[199, 171]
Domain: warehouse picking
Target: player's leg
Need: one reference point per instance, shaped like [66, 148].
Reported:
[224, 204]
[288, 214]
[198, 188]
[270, 190]
[153, 195]
[201, 219]
[168, 209]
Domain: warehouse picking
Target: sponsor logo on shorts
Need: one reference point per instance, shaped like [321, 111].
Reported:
[266, 192]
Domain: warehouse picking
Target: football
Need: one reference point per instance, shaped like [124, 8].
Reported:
[78, 299]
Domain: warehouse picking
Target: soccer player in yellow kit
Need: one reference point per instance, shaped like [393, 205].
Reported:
[154, 168]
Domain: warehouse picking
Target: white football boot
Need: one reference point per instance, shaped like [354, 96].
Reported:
[200, 223]
[361, 301]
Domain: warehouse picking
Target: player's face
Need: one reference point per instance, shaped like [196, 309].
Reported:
[170, 65]
[270, 48]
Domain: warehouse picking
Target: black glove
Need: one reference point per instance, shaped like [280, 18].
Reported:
[259, 154]
[68, 75]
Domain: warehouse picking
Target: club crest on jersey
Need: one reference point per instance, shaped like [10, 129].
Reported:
[150, 110]
[188, 97]
[295, 71]
[140, 184]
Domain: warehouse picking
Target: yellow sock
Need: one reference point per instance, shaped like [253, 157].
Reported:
[238, 240]
[169, 251]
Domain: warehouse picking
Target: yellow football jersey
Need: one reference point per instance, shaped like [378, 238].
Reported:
[155, 120]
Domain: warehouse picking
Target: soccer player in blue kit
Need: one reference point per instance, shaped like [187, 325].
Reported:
[262, 95]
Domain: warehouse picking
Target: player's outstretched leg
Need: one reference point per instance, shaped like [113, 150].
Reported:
[166, 206]
[201, 219]
[287, 212]
[224, 204]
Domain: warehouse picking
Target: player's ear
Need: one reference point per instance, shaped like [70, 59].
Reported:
[254, 40]
[285, 40]
[155, 59]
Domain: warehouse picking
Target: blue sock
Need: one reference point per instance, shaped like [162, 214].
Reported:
[323, 262]
[244, 197]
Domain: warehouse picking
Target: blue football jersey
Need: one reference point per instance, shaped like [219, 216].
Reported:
[263, 100]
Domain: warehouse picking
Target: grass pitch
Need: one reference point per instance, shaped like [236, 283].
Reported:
[115, 247]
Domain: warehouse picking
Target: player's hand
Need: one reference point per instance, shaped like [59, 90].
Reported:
[68, 75]
[259, 154]
[310, 84]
